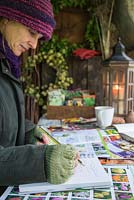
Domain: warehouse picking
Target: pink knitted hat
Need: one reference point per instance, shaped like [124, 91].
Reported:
[36, 14]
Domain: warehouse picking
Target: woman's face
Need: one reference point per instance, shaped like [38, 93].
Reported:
[19, 37]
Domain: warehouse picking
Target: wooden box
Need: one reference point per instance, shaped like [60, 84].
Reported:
[64, 112]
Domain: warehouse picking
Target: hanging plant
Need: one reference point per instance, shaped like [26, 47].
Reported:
[104, 13]
[60, 4]
[54, 54]
[91, 33]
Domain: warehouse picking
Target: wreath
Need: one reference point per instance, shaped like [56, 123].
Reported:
[54, 54]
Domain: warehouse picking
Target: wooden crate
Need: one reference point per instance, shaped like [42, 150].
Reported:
[64, 112]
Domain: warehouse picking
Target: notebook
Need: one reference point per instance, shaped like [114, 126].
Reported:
[126, 131]
[91, 175]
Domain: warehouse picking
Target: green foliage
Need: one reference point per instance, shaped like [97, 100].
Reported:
[60, 4]
[91, 34]
[54, 54]
[58, 45]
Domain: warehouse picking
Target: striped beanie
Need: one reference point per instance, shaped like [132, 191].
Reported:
[36, 14]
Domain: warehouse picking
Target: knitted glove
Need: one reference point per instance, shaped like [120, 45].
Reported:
[36, 136]
[59, 162]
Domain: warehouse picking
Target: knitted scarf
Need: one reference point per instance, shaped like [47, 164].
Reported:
[13, 60]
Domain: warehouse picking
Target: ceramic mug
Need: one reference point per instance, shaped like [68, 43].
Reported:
[104, 116]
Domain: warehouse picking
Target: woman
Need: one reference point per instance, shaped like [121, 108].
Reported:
[22, 24]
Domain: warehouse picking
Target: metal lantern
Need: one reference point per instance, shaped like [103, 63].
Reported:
[118, 81]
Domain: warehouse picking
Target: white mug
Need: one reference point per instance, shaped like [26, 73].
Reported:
[104, 116]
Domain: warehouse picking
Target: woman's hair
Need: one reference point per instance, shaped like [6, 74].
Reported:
[1, 23]
[1, 18]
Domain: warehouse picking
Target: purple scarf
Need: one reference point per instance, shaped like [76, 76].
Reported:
[13, 60]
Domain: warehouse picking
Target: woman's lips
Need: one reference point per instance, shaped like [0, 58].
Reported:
[23, 48]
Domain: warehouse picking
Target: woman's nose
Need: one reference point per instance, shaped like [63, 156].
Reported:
[33, 43]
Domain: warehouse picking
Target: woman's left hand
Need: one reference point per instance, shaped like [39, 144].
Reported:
[40, 137]
[36, 136]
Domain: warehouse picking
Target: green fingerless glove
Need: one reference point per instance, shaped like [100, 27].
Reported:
[59, 163]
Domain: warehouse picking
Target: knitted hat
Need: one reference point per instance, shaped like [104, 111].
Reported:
[36, 14]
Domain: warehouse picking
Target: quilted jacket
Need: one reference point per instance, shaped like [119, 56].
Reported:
[19, 162]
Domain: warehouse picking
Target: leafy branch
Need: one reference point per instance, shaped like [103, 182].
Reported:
[60, 4]
[104, 14]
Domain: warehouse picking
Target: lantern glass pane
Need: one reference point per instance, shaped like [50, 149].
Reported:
[115, 77]
[121, 77]
[130, 91]
[118, 84]
[131, 77]
[121, 92]
[121, 107]
[130, 105]
[115, 105]
[115, 91]
[118, 77]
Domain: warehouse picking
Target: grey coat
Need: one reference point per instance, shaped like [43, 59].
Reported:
[19, 162]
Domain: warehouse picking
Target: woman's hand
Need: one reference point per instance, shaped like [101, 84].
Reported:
[60, 161]
[40, 137]
[36, 136]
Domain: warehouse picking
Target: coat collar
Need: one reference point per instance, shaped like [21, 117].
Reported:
[2, 55]
[5, 69]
